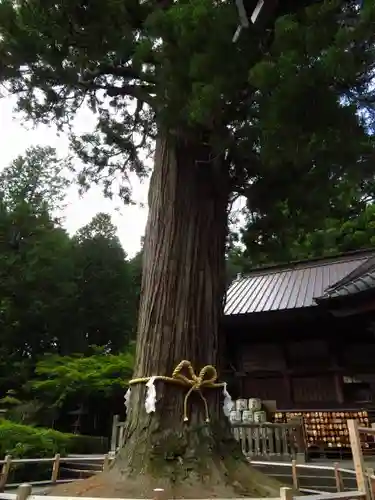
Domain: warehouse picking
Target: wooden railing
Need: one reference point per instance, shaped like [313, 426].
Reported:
[271, 441]
[334, 478]
[261, 441]
[293, 471]
[365, 476]
[25, 491]
[57, 463]
[294, 478]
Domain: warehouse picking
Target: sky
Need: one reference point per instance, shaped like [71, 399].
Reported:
[16, 136]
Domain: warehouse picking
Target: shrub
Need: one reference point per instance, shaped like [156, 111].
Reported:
[31, 442]
[26, 441]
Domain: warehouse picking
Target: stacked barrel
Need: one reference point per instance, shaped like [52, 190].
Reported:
[248, 411]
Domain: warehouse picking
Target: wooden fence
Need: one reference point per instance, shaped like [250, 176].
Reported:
[57, 462]
[25, 491]
[258, 441]
[295, 472]
[365, 476]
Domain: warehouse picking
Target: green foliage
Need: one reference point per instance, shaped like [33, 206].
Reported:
[54, 289]
[59, 378]
[339, 235]
[59, 296]
[104, 283]
[30, 442]
[37, 178]
[99, 227]
[279, 107]
[351, 231]
[25, 441]
[36, 280]
[315, 149]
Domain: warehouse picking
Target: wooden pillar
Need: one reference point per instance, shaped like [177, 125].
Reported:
[287, 377]
[339, 387]
[288, 389]
[337, 374]
[114, 435]
[359, 465]
[23, 491]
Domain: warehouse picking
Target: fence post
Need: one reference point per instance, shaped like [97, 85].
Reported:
[55, 468]
[359, 466]
[106, 463]
[23, 491]
[338, 479]
[370, 475]
[295, 475]
[159, 494]
[299, 439]
[5, 472]
[115, 422]
[286, 493]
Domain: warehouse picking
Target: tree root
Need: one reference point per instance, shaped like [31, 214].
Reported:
[219, 479]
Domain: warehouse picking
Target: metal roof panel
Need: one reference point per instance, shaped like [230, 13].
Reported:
[289, 286]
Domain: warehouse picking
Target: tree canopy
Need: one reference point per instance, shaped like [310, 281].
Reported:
[139, 62]
[38, 178]
[61, 378]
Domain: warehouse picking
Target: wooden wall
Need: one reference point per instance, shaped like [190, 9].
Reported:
[303, 373]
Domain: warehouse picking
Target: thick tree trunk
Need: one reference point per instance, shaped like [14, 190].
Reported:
[181, 304]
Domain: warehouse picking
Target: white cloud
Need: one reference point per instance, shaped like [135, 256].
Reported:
[17, 136]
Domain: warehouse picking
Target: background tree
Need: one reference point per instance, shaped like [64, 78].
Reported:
[216, 134]
[347, 229]
[54, 290]
[38, 178]
[36, 283]
[99, 227]
[65, 383]
[105, 309]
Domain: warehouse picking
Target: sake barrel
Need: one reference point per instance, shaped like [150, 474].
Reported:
[241, 404]
[247, 416]
[235, 416]
[260, 417]
[255, 404]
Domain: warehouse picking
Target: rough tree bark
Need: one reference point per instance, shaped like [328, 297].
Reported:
[181, 304]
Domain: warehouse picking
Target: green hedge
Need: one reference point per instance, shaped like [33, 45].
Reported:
[25, 441]
[31, 442]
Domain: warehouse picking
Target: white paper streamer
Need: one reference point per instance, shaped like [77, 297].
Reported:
[150, 400]
[127, 399]
[228, 403]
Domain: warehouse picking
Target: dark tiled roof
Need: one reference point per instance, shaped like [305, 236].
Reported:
[359, 280]
[290, 286]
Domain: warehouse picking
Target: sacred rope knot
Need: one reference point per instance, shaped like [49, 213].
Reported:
[195, 381]
[207, 378]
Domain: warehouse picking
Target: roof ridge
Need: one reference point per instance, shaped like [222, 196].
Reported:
[359, 274]
[314, 262]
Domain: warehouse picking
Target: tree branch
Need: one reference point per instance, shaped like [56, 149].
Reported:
[140, 92]
[126, 72]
